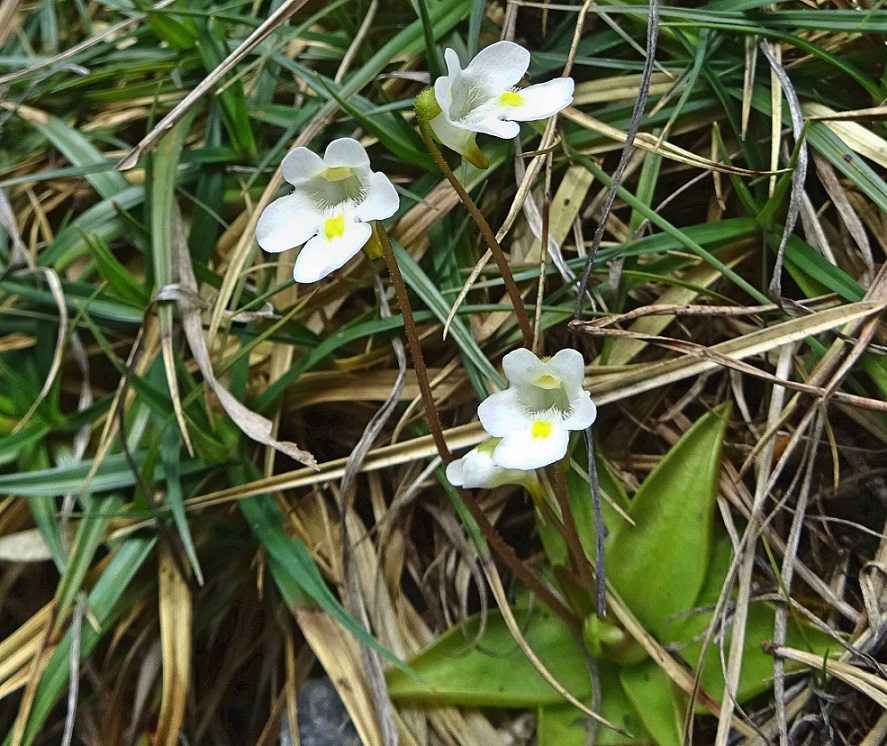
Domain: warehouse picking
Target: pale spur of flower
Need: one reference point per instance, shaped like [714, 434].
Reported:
[477, 470]
[535, 414]
[484, 97]
[333, 202]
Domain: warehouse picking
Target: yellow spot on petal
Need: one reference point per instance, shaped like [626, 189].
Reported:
[541, 429]
[337, 173]
[334, 227]
[511, 98]
[547, 381]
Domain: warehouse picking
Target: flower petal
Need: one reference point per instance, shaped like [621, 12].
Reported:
[287, 222]
[301, 165]
[540, 101]
[455, 138]
[499, 66]
[523, 450]
[381, 200]
[479, 471]
[520, 365]
[323, 255]
[491, 125]
[443, 86]
[569, 366]
[583, 415]
[501, 414]
[455, 472]
[346, 151]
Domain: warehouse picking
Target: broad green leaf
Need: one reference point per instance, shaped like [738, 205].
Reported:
[581, 506]
[658, 565]
[478, 663]
[564, 725]
[757, 666]
[652, 694]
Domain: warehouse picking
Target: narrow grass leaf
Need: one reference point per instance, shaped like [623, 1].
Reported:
[81, 153]
[175, 498]
[104, 605]
[416, 279]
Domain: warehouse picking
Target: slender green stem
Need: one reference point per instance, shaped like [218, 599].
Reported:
[489, 237]
[499, 546]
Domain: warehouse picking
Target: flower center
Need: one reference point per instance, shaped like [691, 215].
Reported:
[545, 396]
[334, 227]
[547, 381]
[335, 188]
[541, 429]
[511, 98]
[337, 173]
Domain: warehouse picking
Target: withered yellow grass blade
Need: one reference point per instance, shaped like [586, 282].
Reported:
[617, 386]
[20, 648]
[619, 88]
[869, 684]
[337, 651]
[862, 140]
[175, 640]
[653, 144]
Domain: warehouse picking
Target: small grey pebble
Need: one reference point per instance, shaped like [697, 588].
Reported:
[323, 719]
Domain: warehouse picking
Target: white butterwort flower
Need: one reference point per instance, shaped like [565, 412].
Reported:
[477, 470]
[335, 197]
[484, 97]
[535, 414]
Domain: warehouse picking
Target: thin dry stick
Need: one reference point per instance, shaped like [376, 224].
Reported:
[543, 255]
[633, 128]
[489, 237]
[800, 173]
[505, 552]
[355, 602]
[600, 569]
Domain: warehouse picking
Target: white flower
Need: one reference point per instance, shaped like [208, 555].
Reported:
[534, 415]
[484, 98]
[335, 197]
[477, 470]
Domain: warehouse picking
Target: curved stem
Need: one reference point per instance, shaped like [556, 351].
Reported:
[489, 237]
[499, 546]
